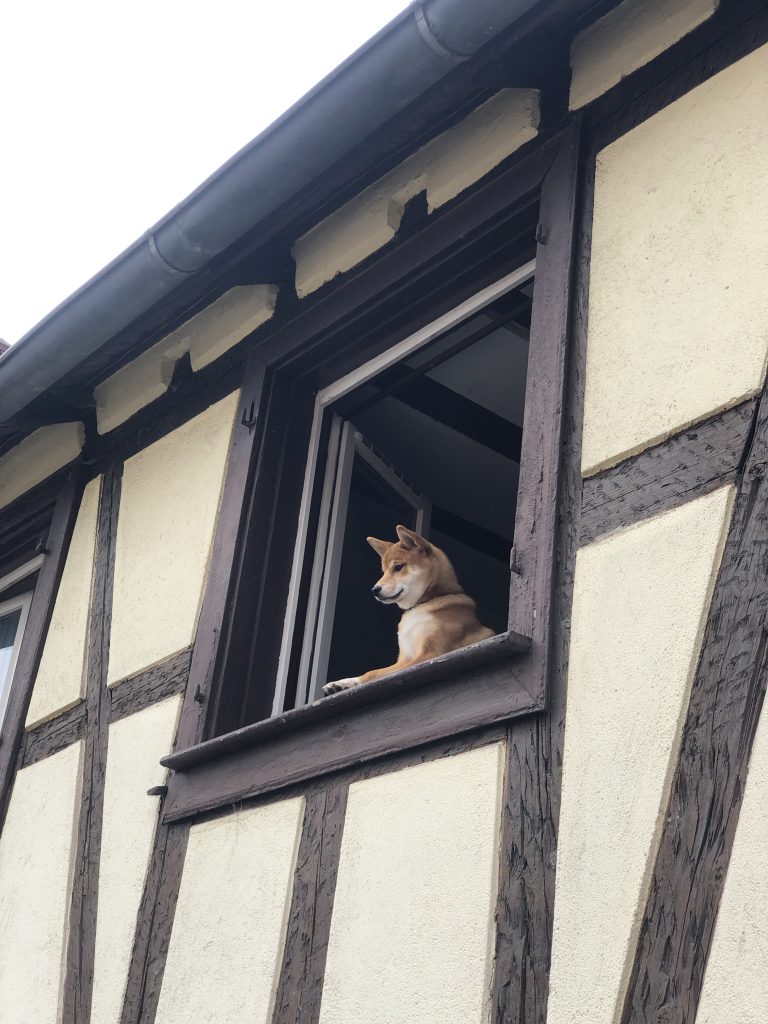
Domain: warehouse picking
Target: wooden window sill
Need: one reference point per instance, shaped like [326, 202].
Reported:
[475, 686]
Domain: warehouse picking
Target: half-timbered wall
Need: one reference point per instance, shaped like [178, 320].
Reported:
[600, 862]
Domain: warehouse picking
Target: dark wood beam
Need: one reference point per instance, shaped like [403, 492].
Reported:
[300, 986]
[442, 404]
[708, 785]
[81, 945]
[682, 467]
[52, 736]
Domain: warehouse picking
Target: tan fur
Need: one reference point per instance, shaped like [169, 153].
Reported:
[438, 616]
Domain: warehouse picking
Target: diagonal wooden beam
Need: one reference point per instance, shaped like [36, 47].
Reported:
[708, 785]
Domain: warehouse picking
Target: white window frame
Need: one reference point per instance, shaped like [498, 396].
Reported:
[344, 445]
[21, 603]
[325, 398]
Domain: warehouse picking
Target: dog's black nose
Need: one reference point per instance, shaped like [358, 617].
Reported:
[376, 590]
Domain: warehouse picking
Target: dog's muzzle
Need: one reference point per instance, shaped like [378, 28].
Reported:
[387, 598]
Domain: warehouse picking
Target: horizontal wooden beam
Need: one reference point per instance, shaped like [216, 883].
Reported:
[686, 465]
[52, 736]
[162, 680]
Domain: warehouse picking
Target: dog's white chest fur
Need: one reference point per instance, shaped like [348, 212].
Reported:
[413, 625]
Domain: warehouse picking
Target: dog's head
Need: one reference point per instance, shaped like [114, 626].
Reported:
[408, 568]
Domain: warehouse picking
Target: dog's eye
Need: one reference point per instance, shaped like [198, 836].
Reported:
[398, 567]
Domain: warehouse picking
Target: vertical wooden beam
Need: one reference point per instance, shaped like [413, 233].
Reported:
[78, 981]
[534, 550]
[708, 785]
[531, 808]
[212, 632]
[155, 923]
[300, 987]
[41, 609]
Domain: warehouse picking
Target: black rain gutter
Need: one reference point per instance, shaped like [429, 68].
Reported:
[396, 66]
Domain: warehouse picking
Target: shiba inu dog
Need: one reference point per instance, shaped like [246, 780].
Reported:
[438, 616]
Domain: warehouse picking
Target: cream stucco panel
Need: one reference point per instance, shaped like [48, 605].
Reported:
[60, 680]
[627, 38]
[678, 309]
[234, 899]
[36, 852]
[640, 603]
[136, 745]
[412, 928]
[736, 979]
[37, 457]
[206, 336]
[168, 505]
[444, 167]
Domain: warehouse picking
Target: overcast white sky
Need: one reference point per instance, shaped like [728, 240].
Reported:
[111, 114]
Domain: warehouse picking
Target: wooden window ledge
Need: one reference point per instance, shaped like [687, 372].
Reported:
[475, 686]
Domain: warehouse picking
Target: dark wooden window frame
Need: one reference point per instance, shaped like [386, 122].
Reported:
[476, 241]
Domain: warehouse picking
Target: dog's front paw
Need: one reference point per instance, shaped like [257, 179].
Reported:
[341, 684]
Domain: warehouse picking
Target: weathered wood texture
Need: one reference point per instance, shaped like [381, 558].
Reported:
[300, 986]
[686, 465]
[533, 555]
[154, 924]
[145, 688]
[40, 612]
[708, 784]
[212, 630]
[52, 736]
[531, 808]
[78, 983]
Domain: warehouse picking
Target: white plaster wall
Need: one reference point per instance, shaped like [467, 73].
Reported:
[37, 457]
[233, 909]
[678, 309]
[206, 336]
[736, 979]
[136, 745]
[412, 928]
[444, 167]
[640, 603]
[60, 680]
[36, 851]
[168, 505]
[627, 38]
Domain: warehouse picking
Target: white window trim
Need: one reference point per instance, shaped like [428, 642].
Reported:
[338, 389]
[23, 601]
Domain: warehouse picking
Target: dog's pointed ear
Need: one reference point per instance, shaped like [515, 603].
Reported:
[379, 546]
[411, 540]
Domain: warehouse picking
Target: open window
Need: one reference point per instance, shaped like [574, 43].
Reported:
[424, 388]
[427, 434]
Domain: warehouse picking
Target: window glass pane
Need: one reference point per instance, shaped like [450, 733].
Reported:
[9, 625]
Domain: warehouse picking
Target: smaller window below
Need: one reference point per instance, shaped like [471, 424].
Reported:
[16, 590]
[431, 441]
